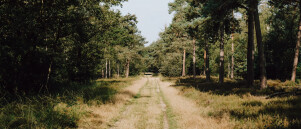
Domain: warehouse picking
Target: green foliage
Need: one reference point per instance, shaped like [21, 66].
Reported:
[46, 43]
[202, 19]
[31, 114]
[171, 66]
[281, 41]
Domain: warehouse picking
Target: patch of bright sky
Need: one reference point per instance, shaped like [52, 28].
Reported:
[152, 16]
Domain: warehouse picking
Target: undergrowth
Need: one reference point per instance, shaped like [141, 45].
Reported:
[61, 108]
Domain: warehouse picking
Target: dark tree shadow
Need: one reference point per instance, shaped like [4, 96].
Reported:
[236, 87]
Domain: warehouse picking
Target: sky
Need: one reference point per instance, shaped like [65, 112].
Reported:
[152, 16]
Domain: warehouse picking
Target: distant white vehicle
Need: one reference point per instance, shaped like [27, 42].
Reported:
[148, 73]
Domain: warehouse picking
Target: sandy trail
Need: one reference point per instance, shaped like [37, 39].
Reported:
[150, 104]
[187, 113]
[145, 111]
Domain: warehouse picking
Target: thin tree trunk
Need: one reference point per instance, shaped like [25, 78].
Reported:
[229, 70]
[232, 58]
[117, 70]
[109, 68]
[184, 60]
[194, 73]
[106, 75]
[48, 77]
[297, 49]
[233, 51]
[250, 53]
[207, 61]
[102, 73]
[127, 68]
[262, 61]
[205, 58]
[221, 58]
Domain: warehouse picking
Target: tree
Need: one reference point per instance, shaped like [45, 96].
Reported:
[262, 60]
[45, 43]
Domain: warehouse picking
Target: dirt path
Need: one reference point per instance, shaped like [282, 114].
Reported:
[150, 104]
[101, 116]
[187, 114]
[146, 111]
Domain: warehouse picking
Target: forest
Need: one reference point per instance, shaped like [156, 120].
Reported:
[63, 60]
[231, 39]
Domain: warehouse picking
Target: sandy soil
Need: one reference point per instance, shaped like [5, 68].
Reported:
[144, 105]
[187, 113]
[144, 112]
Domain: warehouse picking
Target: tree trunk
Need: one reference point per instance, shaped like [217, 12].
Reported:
[102, 73]
[48, 77]
[221, 56]
[127, 68]
[117, 70]
[205, 57]
[109, 68]
[297, 49]
[193, 42]
[106, 75]
[229, 70]
[207, 61]
[184, 67]
[233, 51]
[250, 53]
[232, 59]
[260, 47]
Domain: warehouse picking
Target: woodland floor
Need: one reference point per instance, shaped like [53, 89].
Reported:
[148, 104]
[151, 103]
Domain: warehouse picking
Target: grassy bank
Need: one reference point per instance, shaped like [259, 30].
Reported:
[244, 107]
[59, 109]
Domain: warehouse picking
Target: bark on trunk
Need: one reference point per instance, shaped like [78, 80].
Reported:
[232, 58]
[221, 58]
[207, 61]
[184, 67]
[250, 53]
[260, 47]
[193, 42]
[297, 49]
[106, 75]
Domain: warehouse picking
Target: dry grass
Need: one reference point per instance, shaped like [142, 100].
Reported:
[233, 106]
[100, 116]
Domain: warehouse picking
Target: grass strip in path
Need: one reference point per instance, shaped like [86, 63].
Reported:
[168, 118]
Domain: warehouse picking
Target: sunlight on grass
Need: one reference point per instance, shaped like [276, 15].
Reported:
[246, 107]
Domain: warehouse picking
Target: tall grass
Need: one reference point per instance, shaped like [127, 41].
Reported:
[61, 108]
